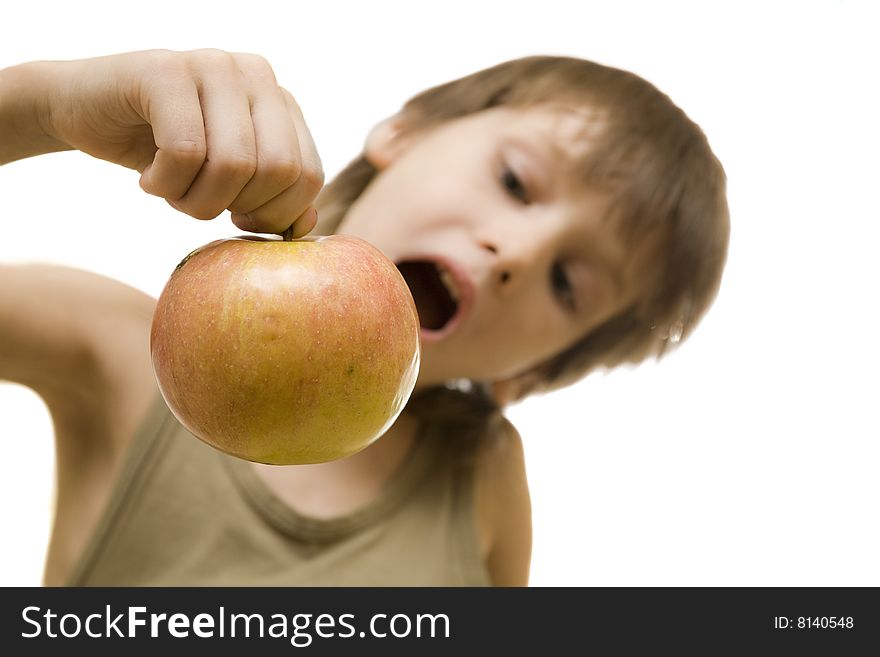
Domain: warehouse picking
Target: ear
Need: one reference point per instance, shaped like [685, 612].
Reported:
[386, 141]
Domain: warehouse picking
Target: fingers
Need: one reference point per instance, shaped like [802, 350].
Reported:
[228, 137]
[174, 112]
[303, 224]
[231, 158]
[289, 173]
[277, 145]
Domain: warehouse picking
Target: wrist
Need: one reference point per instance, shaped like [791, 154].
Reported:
[27, 95]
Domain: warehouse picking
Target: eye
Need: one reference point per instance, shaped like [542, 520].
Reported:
[514, 186]
[561, 285]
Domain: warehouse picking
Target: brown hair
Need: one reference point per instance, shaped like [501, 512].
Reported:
[654, 162]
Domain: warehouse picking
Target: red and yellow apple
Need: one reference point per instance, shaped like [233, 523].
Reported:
[286, 352]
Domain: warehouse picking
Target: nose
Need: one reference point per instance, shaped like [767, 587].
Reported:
[499, 271]
[510, 260]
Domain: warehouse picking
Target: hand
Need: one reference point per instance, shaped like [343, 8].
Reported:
[208, 130]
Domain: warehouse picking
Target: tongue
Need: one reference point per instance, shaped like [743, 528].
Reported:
[434, 305]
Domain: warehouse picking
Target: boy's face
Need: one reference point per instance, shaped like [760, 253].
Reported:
[509, 260]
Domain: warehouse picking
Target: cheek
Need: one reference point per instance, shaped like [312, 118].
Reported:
[509, 343]
[443, 196]
[451, 183]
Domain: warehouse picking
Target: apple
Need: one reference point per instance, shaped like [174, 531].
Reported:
[286, 352]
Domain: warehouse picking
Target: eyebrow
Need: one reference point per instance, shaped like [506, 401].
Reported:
[547, 149]
[540, 152]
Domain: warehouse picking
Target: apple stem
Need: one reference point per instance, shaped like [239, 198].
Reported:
[287, 235]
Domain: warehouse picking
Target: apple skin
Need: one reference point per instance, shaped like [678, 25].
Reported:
[286, 352]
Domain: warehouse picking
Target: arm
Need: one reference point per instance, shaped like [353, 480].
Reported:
[24, 93]
[80, 341]
[207, 130]
[504, 507]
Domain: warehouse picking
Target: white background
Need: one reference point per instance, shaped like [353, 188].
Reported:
[749, 457]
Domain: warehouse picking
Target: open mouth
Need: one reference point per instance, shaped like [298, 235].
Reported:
[434, 290]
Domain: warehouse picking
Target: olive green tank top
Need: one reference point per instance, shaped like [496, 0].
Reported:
[185, 514]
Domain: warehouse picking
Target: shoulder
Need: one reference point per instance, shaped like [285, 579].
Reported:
[81, 341]
[503, 505]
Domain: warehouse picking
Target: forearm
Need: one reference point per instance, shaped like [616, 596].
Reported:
[26, 91]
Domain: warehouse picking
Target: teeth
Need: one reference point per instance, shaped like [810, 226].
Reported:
[449, 282]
